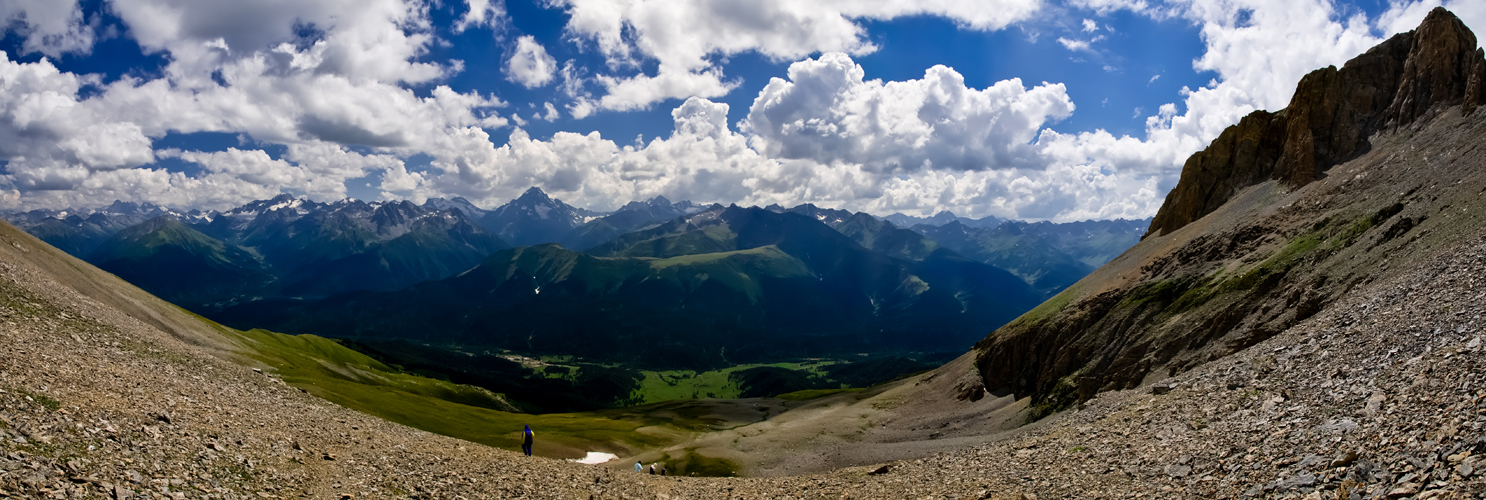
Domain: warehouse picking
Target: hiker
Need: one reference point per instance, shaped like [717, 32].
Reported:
[663, 470]
[638, 467]
[526, 443]
[652, 469]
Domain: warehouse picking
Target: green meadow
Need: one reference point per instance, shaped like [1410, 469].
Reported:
[687, 384]
[345, 377]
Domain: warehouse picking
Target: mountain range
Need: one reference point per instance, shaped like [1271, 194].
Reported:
[319, 249]
[723, 286]
[682, 284]
[1050, 257]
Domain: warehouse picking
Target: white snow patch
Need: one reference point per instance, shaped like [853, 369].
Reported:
[285, 204]
[595, 458]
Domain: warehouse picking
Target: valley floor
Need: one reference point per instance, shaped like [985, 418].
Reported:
[106, 394]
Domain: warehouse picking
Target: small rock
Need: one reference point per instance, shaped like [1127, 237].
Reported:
[1404, 490]
[1178, 470]
[328, 456]
[1344, 459]
[1299, 481]
[1311, 460]
[1160, 389]
[880, 470]
[1466, 469]
[1337, 426]
[1374, 404]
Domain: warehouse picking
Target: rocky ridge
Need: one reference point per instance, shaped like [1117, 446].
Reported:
[1271, 256]
[1331, 117]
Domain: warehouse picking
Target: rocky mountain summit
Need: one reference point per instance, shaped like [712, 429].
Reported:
[1331, 117]
[535, 218]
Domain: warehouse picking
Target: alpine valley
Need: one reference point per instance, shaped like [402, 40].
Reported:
[654, 286]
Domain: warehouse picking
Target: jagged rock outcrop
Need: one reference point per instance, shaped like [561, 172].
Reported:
[1437, 69]
[1334, 111]
[1331, 117]
[1269, 257]
[1474, 90]
[1243, 155]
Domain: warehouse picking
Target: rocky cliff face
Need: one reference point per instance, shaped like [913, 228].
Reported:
[1331, 117]
[1363, 174]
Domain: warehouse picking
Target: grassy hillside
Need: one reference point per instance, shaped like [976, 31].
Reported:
[348, 378]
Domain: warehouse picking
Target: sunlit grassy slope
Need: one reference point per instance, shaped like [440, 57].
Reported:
[687, 384]
[326, 369]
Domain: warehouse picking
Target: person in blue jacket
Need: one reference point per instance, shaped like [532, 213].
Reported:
[526, 443]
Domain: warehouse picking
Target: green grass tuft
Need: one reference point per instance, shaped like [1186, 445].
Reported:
[41, 399]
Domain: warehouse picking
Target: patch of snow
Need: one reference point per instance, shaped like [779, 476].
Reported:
[595, 458]
[284, 204]
[542, 211]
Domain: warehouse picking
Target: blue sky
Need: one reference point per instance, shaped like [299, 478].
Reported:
[1015, 108]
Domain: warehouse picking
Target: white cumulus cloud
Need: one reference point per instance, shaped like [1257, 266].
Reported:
[685, 38]
[51, 27]
[529, 64]
[827, 112]
[481, 13]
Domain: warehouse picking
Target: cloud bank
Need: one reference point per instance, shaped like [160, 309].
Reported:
[327, 93]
